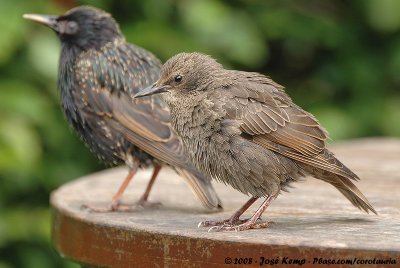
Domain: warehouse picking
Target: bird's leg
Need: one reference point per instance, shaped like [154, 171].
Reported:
[143, 201]
[234, 219]
[250, 223]
[116, 200]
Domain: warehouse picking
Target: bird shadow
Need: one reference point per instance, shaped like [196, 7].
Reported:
[320, 222]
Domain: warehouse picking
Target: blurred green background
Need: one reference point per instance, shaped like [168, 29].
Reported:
[338, 59]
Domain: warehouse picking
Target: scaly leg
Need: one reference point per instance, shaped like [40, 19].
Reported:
[234, 220]
[115, 204]
[250, 223]
[143, 202]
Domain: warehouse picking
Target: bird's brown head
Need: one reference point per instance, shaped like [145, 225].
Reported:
[83, 27]
[186, 74]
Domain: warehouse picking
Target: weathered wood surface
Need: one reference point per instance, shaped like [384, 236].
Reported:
[312, 221]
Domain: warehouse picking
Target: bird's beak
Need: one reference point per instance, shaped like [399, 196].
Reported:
[47, 20]
[151, 90]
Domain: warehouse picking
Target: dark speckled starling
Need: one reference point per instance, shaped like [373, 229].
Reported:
[99, 73]
[244, 130]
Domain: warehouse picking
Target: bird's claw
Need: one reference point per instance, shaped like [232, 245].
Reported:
[214, 229]
[142, 203]
[211, 223]
[110, 208]
[228, 222]
[240, 227]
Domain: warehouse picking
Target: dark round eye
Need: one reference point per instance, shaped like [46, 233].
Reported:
[71, 27]
[178, 78]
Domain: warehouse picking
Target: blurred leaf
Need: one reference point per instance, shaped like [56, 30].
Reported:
[44, 51]
[160, 39]
[232, 32]
[337, 122]
[394, 63]
[277, 21]
[391, 119]
[20, 224]
[5, 265]
[12, 30]
[384, 14]
[23, 99]
[20, 144]
[162, 13]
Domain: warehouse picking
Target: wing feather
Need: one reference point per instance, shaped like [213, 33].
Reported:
[269, 116]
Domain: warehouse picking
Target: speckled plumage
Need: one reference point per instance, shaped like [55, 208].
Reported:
[98, 75]
[112, 73]
[244, 130]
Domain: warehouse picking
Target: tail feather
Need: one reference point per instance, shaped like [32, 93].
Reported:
[344, 185]
[201, 187]
[359, 202]
[354, 195]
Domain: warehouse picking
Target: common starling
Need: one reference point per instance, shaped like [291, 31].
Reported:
[99, 73]
[244, 130]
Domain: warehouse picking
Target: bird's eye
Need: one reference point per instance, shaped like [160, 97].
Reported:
[178, 78]
[71, 27]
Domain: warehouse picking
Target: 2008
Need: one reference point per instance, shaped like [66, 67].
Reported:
[243, 261]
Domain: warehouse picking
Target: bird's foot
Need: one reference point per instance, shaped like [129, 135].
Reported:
[119, 207]
[233, 224]
[240, 227]
[144, 203]
[230, 222]
[113, 207]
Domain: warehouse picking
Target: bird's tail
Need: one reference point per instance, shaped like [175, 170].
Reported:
[201, 187]
[343, 184]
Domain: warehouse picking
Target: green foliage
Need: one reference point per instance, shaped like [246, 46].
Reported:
[338, 59]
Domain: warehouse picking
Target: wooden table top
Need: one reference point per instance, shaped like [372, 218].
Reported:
[313, 222]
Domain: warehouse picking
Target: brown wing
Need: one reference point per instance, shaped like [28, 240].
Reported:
[150, 133]
[270, 117]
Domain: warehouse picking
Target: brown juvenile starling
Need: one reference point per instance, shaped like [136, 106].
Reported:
[242, 129]
[99, 73]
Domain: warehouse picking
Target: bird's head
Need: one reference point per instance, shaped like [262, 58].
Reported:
[186, 74]
[84, 27]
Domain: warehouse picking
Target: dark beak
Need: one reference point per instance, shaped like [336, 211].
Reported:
[49, 21]
[151, 90]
